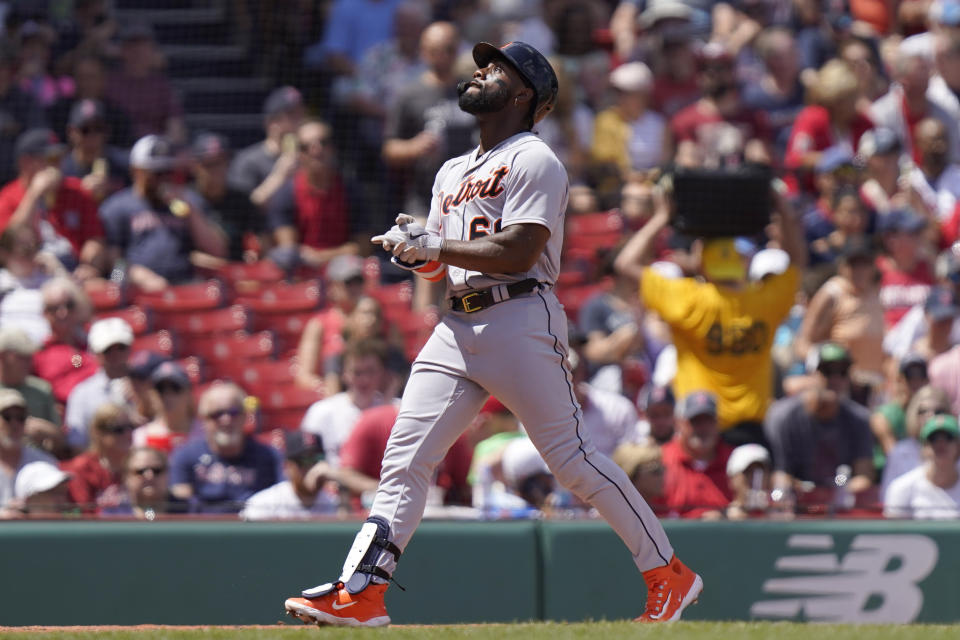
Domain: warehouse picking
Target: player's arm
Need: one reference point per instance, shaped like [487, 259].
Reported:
[789, 228]
[513, 250]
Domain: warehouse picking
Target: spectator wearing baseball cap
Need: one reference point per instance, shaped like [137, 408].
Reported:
[259, 170]
[177, 420]
[750, 470]
[696, 484]
[155, 226]
[905, 274]
[41, 490]
[41, 191]
[820, 428]
[657, 409]
[110, 341]
[16, 359]
[932, 490]
[141, 90]
[14, 450]
[630, 135]
[222, 203]
[100, 167]
[847, 310]
[97, 473]
[304, 493]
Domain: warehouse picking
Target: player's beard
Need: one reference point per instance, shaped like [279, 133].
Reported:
[484, 100]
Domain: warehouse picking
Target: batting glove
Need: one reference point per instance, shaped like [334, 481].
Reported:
[409, 241]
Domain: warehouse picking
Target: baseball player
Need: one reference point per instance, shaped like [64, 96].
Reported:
[495, 231]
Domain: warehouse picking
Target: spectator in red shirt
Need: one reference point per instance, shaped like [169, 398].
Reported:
[97, 474]
[64, 360]
[696, 483]
[905, 276]
[718, 124]
[59, 207]
[312, 210]
[362, 453]
[830, 120]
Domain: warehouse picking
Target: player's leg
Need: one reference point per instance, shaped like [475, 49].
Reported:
[530, 376]
[438, 404]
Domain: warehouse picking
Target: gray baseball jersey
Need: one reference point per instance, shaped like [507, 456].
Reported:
[516, 350]
[518, 181]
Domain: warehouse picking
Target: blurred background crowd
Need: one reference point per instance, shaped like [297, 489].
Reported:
[193, 320]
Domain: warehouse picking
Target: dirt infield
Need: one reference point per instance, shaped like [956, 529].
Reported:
[155, 627]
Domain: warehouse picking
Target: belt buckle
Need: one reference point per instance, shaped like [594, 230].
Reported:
[467, 306]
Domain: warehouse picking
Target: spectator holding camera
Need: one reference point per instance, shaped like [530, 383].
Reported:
[722, 326]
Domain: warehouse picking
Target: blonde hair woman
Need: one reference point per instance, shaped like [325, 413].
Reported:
[97, 473]
[905, 456]
[830, 120]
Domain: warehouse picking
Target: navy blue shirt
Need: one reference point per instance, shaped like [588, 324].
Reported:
[220, 485]
[148, 235]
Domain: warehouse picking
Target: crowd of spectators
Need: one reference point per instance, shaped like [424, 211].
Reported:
[811, 368]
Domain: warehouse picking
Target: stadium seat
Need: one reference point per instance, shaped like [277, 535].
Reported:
[106, 297]
[281, 419]
[594, 224]
[161, 342]
[573, 298]
[259, 374]
[284, 297]
[137, 318]
[195, 296]
[194, 368]
[264, 271]
[394, 298]
[238, 347]
[203, 323]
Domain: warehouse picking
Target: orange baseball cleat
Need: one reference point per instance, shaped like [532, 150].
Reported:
[670, 590]
[342, 608]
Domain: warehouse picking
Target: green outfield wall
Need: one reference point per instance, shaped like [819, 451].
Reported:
[80, 573]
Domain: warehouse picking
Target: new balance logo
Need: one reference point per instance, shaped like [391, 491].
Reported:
[874, 582]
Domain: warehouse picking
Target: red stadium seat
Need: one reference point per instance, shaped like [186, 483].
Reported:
[160, 341]
[281, 419]
[394, 298]
[594, 224]
[239, 347]
[262, 271]
[195, 296]
[204, 323]
[284, 298]
[281, 324]
[106, 297]
[137, 318]
[287, 397]
[194, 368]
[573, 298]
[259, 374]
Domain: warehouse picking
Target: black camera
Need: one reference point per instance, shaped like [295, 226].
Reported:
[723, 202]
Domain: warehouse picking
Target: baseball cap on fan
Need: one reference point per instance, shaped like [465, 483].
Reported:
[942, 304]
[697, 403]
[37, 477]
[38, 143]
[109, 332]
[209, 146]
[151, 153]
[84, 112]
[282, 100]
[633, 77]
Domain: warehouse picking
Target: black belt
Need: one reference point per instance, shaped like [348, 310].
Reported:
[483, 298]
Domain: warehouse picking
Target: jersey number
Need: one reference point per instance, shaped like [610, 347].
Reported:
[480, 226]
[736, 340]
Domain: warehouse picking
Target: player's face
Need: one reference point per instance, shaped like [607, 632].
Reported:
[491, 89]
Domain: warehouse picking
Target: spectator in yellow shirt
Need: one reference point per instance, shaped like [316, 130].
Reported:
[722, 324]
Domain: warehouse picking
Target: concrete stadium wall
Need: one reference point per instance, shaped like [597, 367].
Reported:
[239, 573]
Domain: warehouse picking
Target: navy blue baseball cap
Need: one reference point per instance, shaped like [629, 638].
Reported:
[529, 63]
[903, 220]
[698, 403]
[834, 158]
[942, 304]
[143, 363]
[282, 100]
[209, 146]
[652, 395]
[85, 112]
[38, 143]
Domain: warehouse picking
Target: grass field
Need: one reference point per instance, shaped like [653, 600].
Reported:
[539, 631]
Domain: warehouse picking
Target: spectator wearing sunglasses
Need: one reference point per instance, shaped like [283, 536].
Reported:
[101, 168]
[821, 428]
[218, 472]
[304, 493]
[905, 455]
[110, 341]
[152, 226]
[97, 474]
[63, 360]
[57, 206]
[146, 494]
[178, 420]
[932, 490]
[14, 452]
